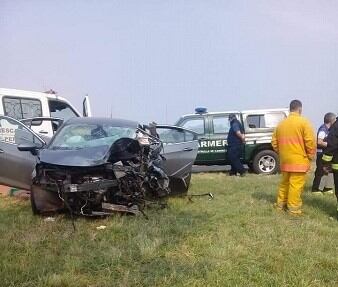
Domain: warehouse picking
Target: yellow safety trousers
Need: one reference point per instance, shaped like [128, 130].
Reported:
[290, 190]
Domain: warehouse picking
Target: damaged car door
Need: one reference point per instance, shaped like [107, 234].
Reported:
[17, 166]
[180, 148]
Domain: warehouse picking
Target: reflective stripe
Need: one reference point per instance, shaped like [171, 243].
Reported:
[335, 166]
[290, 140]
[327, 157]
[295, 167]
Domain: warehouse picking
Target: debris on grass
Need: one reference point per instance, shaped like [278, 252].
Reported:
[101, 227]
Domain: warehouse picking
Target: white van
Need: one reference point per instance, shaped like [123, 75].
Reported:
[20, 104]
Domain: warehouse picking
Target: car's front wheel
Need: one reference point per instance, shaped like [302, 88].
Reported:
[35, 210]
[266, 162]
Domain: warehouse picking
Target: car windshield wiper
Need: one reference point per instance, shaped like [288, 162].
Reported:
[65, 148]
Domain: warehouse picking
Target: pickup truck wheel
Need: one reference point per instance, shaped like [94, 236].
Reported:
[266, 162]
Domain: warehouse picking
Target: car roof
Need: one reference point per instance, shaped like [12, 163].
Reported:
[104, 121]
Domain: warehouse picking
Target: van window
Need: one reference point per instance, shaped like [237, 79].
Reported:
[221, 124]
[61, 110]
[21, 108]
[196, 125]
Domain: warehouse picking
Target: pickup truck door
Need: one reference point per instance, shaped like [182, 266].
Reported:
[180, 148]
[16, 166]
[219, 129]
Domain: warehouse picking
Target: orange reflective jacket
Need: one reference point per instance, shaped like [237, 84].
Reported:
[294, 140]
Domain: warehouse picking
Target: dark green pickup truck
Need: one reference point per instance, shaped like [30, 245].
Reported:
[212, 129]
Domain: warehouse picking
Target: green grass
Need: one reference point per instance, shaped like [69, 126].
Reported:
[237, 239]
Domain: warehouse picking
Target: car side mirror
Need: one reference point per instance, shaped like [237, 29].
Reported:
[32, 147]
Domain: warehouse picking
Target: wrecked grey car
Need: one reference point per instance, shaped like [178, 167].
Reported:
[96, 166]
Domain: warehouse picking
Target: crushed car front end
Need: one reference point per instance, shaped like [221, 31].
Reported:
[94, 179]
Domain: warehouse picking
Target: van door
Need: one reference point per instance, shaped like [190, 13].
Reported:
[60, 109]
[218, 137]
[200, 125]
[24, 107]
[87, 111]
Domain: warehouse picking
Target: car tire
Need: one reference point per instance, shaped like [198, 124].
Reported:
[266, 162]
[188, 182]
[35, 210]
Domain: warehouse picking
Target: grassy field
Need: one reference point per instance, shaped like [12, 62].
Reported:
[237, 239]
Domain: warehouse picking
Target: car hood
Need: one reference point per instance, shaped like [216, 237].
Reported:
[92, 156]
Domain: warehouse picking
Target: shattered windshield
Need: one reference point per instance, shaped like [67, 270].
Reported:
[79, 136]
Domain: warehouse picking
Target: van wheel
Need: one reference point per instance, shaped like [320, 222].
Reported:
[266, 162]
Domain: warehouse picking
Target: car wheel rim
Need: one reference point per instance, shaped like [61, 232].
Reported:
[267, 163]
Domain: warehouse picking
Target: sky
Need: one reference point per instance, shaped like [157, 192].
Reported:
[159, 59]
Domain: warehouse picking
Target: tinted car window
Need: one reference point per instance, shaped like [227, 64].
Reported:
[221, 124]
[196, 125]
[20, 108]
[171, 135]
[189, 136]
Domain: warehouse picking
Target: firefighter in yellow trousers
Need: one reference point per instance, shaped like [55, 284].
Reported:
[294, 141]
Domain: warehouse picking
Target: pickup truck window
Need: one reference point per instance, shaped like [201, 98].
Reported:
[268, 120]
[21, 108]
[61, 110]
[273, 119]
[221, 124]
[196, 125]
[256, 121]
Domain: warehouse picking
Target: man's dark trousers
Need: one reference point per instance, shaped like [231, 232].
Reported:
[234, 154]
[335, 178]
[319, 173]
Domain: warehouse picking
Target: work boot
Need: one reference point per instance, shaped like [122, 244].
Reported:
[279, 208]
[297, 213]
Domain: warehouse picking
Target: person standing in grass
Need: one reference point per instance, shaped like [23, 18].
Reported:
[320, 177]
[294, 141]
[235, 141]
[330, 156]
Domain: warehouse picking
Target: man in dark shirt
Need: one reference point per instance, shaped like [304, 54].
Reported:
[235, 140]
[320, 176]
